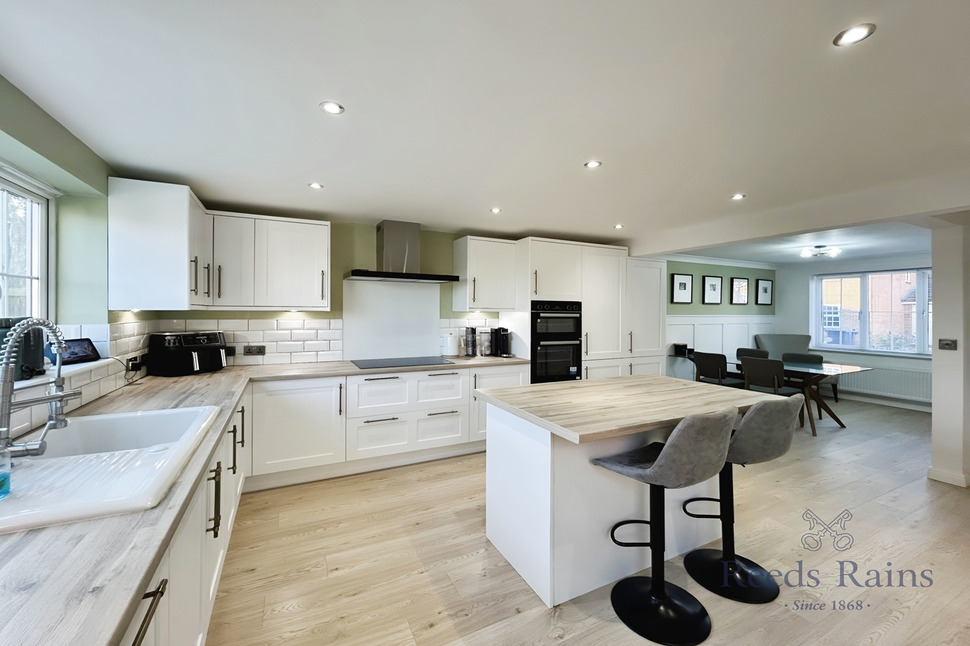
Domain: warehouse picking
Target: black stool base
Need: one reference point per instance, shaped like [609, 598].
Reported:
[677, 620]
[740, 580]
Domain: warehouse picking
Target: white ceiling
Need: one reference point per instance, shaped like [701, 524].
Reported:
[456, 106]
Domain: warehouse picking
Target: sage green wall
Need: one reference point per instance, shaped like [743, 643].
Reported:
[699, 270]
[82, 259]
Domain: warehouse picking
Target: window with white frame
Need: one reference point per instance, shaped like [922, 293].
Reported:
[23, 251]
[888, 311]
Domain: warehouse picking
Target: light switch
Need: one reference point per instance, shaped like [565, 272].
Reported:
[948, 344]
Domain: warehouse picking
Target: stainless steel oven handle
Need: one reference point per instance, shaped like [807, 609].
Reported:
[557, 315]
[576, 342]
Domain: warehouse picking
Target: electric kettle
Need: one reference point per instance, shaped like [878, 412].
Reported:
[449, 345]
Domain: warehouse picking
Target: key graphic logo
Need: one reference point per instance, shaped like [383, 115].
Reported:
[818, 528]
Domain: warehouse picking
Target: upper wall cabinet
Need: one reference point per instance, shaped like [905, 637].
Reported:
[548, 270]
[165, 252]
[486, 275]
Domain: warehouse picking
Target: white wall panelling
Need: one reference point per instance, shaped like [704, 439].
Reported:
[720, 334]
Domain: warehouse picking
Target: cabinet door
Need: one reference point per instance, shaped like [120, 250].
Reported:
[219, 512]
[157, 622]
[605, 368]
[233, 244]
[646, 308]
[297, 423]
[647, 365]
[185, 571]
[292, 265]
[200, 255]
[242, 423]
[499, 377]
[604, 288]
[439, 388]
[557, 271]
[486, 269]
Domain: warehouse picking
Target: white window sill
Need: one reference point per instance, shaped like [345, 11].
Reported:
[66, 371]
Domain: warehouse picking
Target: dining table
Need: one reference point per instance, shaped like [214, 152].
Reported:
[809, 376]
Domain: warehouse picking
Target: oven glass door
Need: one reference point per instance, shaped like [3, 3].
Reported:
[556, 361]
[554, 323]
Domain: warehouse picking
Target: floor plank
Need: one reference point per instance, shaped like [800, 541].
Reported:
[399, 557]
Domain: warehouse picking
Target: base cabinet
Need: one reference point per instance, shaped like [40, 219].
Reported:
[499, 377]
[151, 622]
[403, 431]
[607, 368]
[297, 423]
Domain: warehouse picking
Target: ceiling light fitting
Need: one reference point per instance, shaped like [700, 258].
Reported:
[738, 196]
[332, 107]
[593, 164]
[496, 210]
[820, 250]
[853, 35]
[617, 226]
[315, 185]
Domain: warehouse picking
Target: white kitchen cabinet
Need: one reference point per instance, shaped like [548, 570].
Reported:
[297, 423]
[402, 431]
[491, 377]
[233, 258]
[606, 368]
[645, 309]
[652, 365]
[243, 439]
[292, 264]
[376, 394]
[186, 581]
[547, 270]
[220, 512]
[159, 247]
[486, 275]
[604, 291]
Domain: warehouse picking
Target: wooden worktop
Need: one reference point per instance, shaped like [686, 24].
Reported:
[80, 583]
[585, 411]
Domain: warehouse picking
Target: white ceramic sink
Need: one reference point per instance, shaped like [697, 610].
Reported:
[101, 465]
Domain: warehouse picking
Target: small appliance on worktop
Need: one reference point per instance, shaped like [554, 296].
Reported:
[176, 354]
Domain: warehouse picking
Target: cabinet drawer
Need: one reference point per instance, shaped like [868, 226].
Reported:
[393, 393]
[378, 435]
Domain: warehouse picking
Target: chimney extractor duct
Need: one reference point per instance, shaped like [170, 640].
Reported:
[399, 256]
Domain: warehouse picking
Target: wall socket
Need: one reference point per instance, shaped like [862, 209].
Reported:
[254, 350]
[948, 344]
[134, 364]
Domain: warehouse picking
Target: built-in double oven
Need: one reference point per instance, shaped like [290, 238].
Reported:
[557, 335]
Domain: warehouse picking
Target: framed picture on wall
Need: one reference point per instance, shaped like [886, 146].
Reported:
[681, 288]
[712, 290]
[763, 295]
[739, 291]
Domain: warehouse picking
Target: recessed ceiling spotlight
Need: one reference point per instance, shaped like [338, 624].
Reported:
[496, 210]
[332, 107]
[617, 226]
[315, 185]
[593, 164]
[738, 196]
[853, 35]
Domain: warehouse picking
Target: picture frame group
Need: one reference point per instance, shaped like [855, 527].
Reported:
[712, 288]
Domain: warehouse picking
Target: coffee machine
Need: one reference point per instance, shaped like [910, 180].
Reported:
[501, 342]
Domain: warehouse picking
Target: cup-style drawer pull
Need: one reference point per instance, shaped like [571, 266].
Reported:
[383, 419]
[379, 378]
[441, 374]
[447, 412]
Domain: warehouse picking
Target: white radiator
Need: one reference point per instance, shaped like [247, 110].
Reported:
[913, 385]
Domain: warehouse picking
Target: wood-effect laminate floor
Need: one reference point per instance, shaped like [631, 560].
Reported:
[399, 557]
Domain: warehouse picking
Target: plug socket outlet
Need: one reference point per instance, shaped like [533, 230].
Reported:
[254, 350]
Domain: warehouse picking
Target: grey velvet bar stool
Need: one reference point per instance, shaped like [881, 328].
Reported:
[695, 451]
[764, 433]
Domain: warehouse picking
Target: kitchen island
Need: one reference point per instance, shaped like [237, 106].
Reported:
[549, 511]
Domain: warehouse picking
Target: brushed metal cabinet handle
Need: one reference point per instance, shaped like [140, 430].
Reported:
[235, 436]
[586, 351]
[383, 419]
[536, 274]
[340, 399]
[323, 285]
[474, 291]
[217, 507]
[441, 374]
[208, 279]
[631, 341]
[631, 368]
[447, 412]
[586, 369]
[242, 426]
[219, 282]
[379, 378]
[195, 271]
[156, 597]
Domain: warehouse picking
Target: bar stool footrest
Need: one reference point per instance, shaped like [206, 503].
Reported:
[676, 619]
[740, 580]
[624, 523]
[693, 500]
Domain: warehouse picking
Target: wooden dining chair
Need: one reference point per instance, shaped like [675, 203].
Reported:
[768, 375]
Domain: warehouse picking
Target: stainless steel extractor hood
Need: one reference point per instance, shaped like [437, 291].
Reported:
[399, 256]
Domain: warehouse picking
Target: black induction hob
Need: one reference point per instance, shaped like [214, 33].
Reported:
[400, 362]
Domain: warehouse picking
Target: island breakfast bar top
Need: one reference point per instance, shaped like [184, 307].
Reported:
[586, 411]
